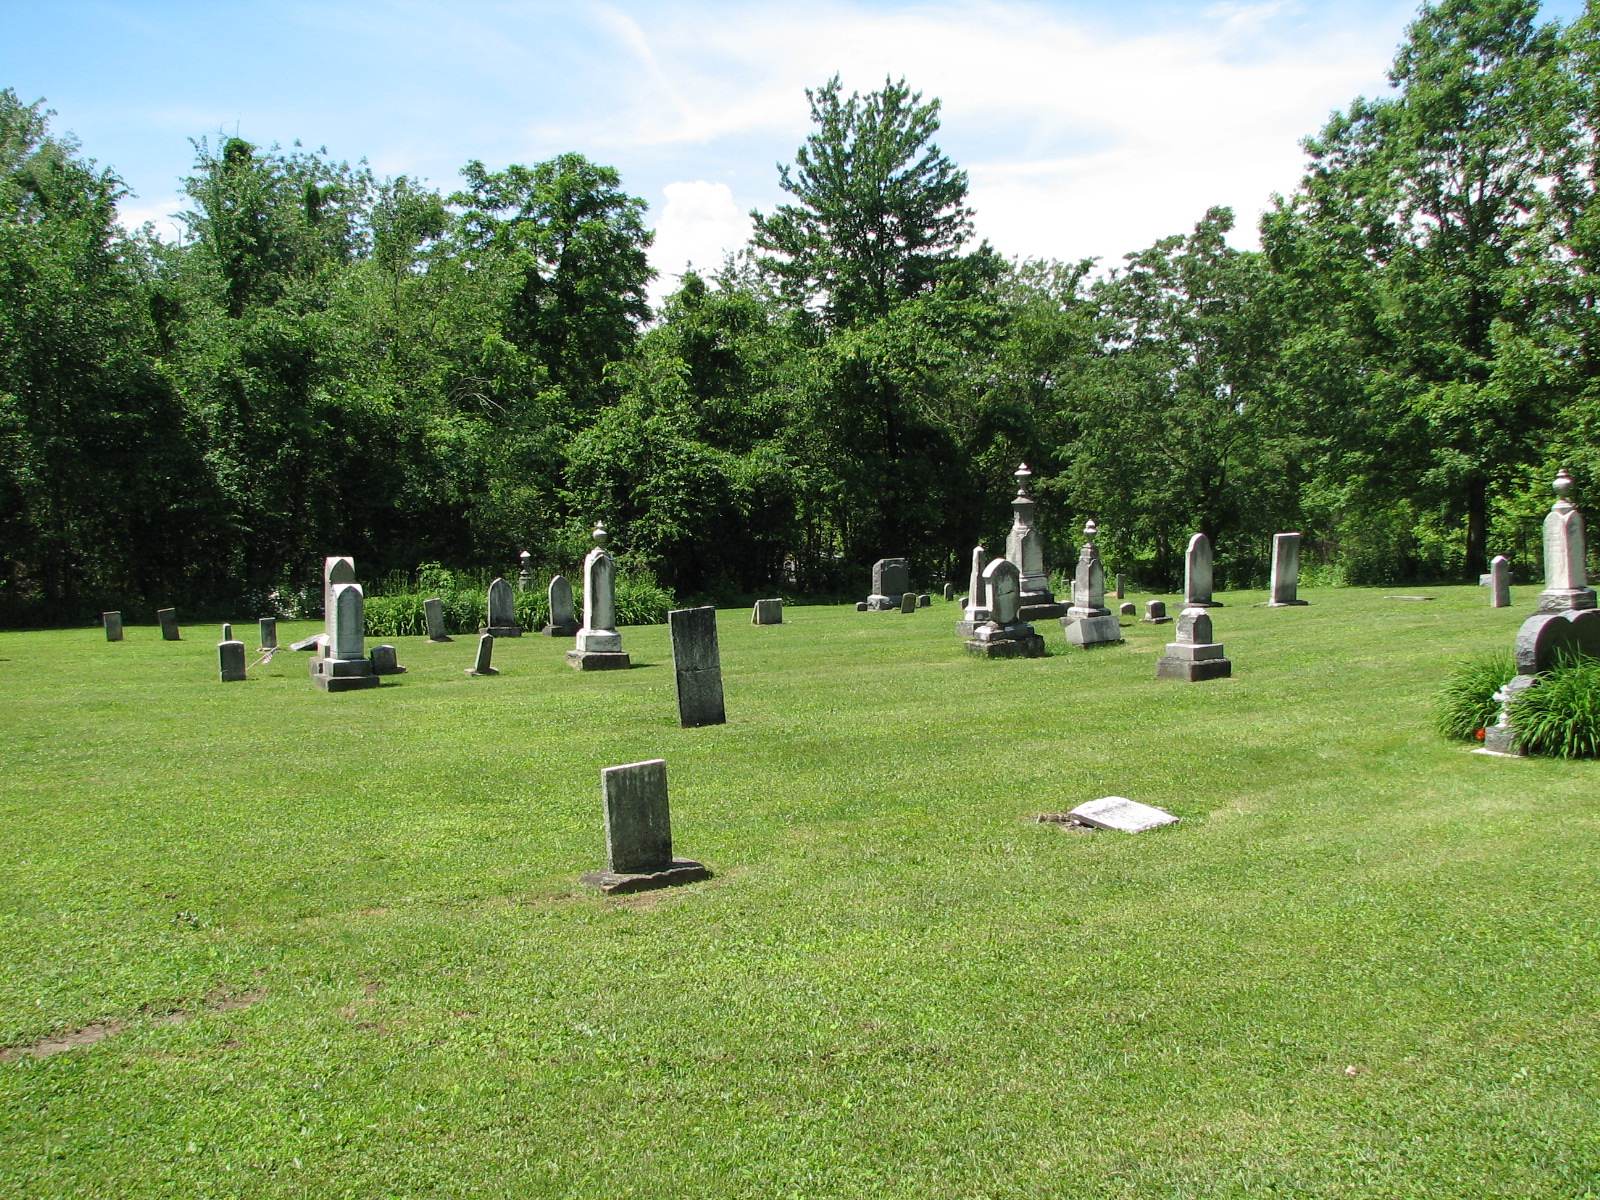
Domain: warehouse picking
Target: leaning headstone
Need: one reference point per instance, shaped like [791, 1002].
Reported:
[908, 602]
[113, 624]
[342, 664]
[891, 577]
[949, 591]
[1005, 634]
[1198, 571]
[482, 664]
[1500, 582]
[502, 611]
[1285, 570]
[1089, 622]
[433, 618]
[1025, 548]
[697, 666]
[1155, 613]
[386, 661]
[1566, 578]
[767, 612]
[230, 660]
[976, 611]
[563, 620]
[267, 630]
[1194, 656]
[1121, 814]
[169, 624]
[313, 643]
[639, 832]
[599, 645]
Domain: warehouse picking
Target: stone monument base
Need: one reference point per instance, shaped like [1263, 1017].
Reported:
[1102, 630]
[1041, 612]
[343, 675]
[503, 631]
[1284, 604]
[550, 630]
[486, 671]
[598, 660]
[880, 603]
[1192, 670]
[682, 870]
[1031, 646]
[1566, 599]
[1154, 620]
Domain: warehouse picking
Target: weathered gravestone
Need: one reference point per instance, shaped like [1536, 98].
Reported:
[891, 577]
[696, 666]
[267, 631]
[1198, 572]
[227, 632]
[1285, 570]
[113, 625]
[1120, 584]
[169, 624]
[1121, 814]
[767, 612]
[1127, 608]
[335, 569]
[482, 664]
[949, 592]
[976, 610]
[386, 661]
[502, 611]
[1005, 634]
[908, 602]
[925, 600]
[1566, 579]
[639, 832]
[1089, 622]
[341, 664]
[1025, 548]
[1500, 582]
[563, 619]
[230, 660]
[1155, 613]
[1194, 656]
[599, 645]
[433, 619]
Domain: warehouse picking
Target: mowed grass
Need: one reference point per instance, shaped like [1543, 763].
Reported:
[1363, 965]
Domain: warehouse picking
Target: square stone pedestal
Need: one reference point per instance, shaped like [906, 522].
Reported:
[1031, 646]
[1092, 631]
[343, 675]
[598, 660]
[612, 883]
[1193, 670]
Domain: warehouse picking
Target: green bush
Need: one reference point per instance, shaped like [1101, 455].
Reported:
[1466, 702]
[1560, 716]
[640, 601]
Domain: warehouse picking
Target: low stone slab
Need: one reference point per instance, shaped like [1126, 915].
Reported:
[1191, 670]
[598, 660]
[1031, 646]
[613, 883]
[1092, 631]
[1121, 814]
[312, 643]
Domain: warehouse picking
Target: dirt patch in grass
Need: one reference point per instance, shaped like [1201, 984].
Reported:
[220, 1000]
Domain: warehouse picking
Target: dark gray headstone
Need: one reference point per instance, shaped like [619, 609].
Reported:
[890, 577]
[169, 624]
[949, 591]
[227, 632]
[697, 666]
[268, 628]
[113, 623]
[638, 822]
[502, 610]
[433, 618]
[908, 602]
[924, 600]
[481, 666]
[230, 660]
[386, 661]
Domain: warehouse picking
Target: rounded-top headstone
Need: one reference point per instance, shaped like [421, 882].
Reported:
[1194, 627]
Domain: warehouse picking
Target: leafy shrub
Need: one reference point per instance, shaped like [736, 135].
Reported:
[1560, 716]
[1466, 702]
[640, 601]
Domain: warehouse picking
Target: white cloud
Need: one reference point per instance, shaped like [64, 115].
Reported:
[134, 212]
[699, 225]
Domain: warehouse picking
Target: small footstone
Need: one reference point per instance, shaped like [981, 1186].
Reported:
[1155, 613]
[1128, 608]
[1121, 814]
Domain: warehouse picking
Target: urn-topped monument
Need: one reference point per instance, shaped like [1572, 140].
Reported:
[1565, 571]
[599, 645]
[1025, 548]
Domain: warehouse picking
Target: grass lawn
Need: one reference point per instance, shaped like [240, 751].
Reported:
[338, 945]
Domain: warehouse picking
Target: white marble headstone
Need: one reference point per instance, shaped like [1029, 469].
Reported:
[1120, 813]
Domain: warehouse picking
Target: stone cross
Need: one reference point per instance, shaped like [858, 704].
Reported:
[563, 620]
[482, 664]
[169, 624]
[1566, 579]
[230, 660]
[599, 645]
[1197, 573]
[113, 624]
[1500, 582]
[433, 617]
[639, 831]
[267, 628]
[502, 610]
[767, 612]
[1195, 655]
[697, 666]
[1285, 570]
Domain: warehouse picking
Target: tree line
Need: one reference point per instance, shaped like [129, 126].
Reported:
[330, 362]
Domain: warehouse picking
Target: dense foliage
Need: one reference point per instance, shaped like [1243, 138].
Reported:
[329, 362]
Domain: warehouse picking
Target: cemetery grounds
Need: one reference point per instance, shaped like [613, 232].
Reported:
[290, 943]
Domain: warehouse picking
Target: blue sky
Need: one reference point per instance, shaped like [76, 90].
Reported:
[1088, 128]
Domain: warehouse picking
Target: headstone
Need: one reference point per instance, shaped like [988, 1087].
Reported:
[230, 660]
[1285, 570]
[949, 591]
[525, 575]
[1005, 634]
[169, 624]
[267, 629]
[386, 661]
[1155, 613]
[1025, 548]
[891, 577]
[599, 645]
[976, 610]
[908, 602]
[1485, 579]
[502, 611]
[227, 632]
[1197, 574]
[861, 606]
[1127, 608]
[639, 831]
[1566, 578]
[767, 612]
[1089, 622]
[433, 618]
[482, 664]
[113, 625]
[924, 600]
[1500, 582]
[342, 664]
[1119, 585]
[338, 569]
[563, 620]
[697, 666]
[1194, 656]
[1121, 814]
